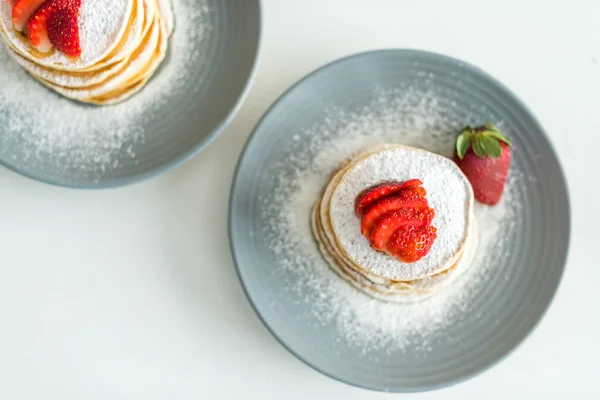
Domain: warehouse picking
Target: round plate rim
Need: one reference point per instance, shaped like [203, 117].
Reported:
[183, 157]
[282, 98]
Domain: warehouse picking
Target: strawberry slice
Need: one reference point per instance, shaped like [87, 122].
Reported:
[412, 183]
[410, 244]
[22, 11]
[394, 220]
[37, 27]
[63, 31]
[370, 196]
[407, 198]
[55, 24]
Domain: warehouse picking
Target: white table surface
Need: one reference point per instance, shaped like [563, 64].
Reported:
[132, 294]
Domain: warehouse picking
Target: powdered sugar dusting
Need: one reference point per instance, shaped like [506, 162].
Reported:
[43, 128]
[101, 24]
[408, 116]
[448, 193]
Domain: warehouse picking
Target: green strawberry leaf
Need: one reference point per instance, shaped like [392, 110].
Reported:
[462, 144]
[478, 146]
[491, 127]
[491, 146]
[493, 131]
[500, 137]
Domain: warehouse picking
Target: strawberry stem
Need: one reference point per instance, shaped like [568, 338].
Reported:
[484, 140]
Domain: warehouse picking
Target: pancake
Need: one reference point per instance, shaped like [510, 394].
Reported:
[363, 276]
[141, 19]
[125, 93]
[109, 67]
[326, 218]
[119, 95]
[399, 292]
[344, 263]
[166, 10]
[142, 63]
[69, 79]
[103, 26]
[150, 12]
[449, 193]
[124, 71]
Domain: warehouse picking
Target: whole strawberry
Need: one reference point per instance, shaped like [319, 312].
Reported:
[483, 154]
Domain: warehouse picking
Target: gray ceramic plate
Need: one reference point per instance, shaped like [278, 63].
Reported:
[186, 121]
[505, 307]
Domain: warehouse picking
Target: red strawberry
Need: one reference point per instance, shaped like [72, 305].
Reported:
[394, 220]
[407, 198]
[410, 244]
[22, 11]
[483, 154]
[368, 197]
[63, 31]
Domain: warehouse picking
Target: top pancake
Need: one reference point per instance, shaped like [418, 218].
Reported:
[449, 194]
[146, 9]
[102, 27]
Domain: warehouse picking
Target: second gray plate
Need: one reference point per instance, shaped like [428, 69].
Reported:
[211, 62]
[505, 306]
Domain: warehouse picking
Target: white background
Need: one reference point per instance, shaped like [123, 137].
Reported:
[132, 294]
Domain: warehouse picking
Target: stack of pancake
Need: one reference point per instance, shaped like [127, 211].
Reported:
[122, 44]
[337, 229]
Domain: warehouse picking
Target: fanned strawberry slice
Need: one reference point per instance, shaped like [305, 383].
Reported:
[370, 196]
[22, 11]
[408, 198]
[55, 24]
[37, 27]
[63, 31]
[389, 223]
[394, 220]
[412, 183]
[411, 244]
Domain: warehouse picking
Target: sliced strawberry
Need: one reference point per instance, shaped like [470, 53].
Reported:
[411, 183]
[484, 154]
[55, 24]
[410, 244]
[22, 11]
[368, 197]
[389, 223]
[408, 198]
[37, 27]
[63, 31]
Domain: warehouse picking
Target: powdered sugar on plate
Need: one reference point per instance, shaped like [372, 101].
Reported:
[408, 116]
[42, 127]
